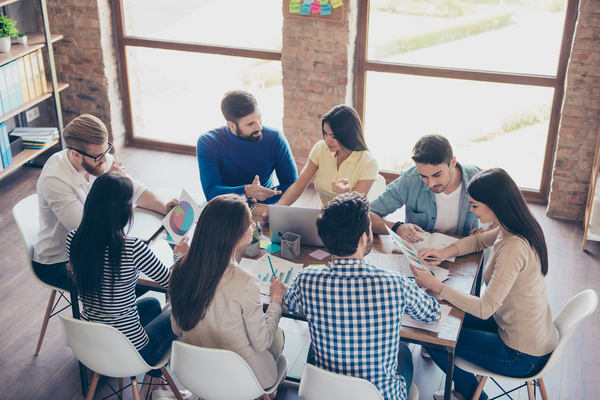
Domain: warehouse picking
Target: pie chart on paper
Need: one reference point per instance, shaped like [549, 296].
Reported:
[182, 218]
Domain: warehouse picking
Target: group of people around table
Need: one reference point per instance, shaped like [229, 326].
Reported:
[354, 310]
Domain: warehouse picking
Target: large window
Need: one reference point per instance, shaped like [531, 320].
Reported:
[178, 59]
[486, 74]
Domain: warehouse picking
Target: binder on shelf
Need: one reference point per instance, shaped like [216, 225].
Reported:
[37, 81]
[42, 70]
[23, 79]
[5, 146]
[29, 73]
[4, 93]
[14, 91]
[9, 86]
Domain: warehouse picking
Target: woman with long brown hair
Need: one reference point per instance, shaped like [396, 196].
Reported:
[216, 303]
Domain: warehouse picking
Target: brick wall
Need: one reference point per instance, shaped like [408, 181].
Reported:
[318, 74]
[87, 59]
[580, 119]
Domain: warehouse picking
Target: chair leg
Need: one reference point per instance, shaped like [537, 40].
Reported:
[542, 388]
[135, 388]
[480, 385]
[171, 383]
[530, 390]
[146, 384]
[121, 384]
[90, 395]
[45, 322]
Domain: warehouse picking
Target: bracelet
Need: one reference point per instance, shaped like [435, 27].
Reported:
[396, 225]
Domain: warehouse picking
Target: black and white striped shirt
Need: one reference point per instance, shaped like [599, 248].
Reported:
[118, 307]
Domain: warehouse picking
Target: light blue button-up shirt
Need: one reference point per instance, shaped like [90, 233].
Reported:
[410, 190]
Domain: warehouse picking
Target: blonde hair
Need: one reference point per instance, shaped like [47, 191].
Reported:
[85, 129]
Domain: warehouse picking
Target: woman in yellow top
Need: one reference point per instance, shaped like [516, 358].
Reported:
[341, 161]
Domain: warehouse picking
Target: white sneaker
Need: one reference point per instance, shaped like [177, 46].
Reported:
[424, 353]
[454, 396]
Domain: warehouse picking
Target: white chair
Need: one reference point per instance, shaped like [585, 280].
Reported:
[318, 384]
[377, 189]
[106, 351]
[26, 213]
[575, 311]
[215, 374]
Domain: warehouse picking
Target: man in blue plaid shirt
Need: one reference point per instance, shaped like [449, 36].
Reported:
[354, 310]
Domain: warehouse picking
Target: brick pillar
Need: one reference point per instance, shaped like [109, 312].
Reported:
[318, 59]
[87, 59]
[580, 119]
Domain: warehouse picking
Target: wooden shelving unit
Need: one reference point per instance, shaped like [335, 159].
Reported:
[34, 42]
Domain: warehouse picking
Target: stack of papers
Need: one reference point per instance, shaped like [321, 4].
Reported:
[396, 262]
[433, 327]
[35, 138]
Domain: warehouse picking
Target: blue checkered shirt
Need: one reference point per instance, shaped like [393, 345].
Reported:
[354, 311]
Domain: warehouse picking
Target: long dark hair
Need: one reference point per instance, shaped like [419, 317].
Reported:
[496, 189]
[195, 276]
[107, 211]
[346, 126]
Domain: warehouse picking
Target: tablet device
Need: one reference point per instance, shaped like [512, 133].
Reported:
[299, 220]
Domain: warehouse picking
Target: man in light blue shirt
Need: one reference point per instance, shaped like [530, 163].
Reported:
[433, 191]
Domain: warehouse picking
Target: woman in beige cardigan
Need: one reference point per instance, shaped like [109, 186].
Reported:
[215, 302]
[509, 329]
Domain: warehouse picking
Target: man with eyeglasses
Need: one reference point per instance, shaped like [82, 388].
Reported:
[63, 186]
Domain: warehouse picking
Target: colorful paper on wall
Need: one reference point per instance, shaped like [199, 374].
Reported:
[315, 8]
[336, 3]
[294, 7]
[326, 9]
[305, 9]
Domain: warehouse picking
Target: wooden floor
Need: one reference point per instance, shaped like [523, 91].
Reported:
[53, 374]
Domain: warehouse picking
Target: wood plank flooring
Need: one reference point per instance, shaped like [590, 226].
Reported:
[53, 374]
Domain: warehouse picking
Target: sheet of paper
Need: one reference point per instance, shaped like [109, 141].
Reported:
[285, 270]
[434, 327]
[393, 262]
[319, 254]
[437, 241]
[163, 251]
[182, 217]
[408, 249]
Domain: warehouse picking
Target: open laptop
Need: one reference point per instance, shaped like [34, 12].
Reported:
[299, 220]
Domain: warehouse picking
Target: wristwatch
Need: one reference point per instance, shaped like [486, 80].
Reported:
[396, 225]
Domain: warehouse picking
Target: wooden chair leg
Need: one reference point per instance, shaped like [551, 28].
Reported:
[171, 383]
[135, 388]
[482, 380]
[121, 384]
[90, 395]
[530, 390]
[45, 322]
[542, 388]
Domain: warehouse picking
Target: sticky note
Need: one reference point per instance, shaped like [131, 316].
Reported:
[307, 1]
[315, 8]
[305, 9]
[273, 248]
[326, 9]
[336, 3]
[294, 7]
[323, 2]
[264, 244]
[319, 254]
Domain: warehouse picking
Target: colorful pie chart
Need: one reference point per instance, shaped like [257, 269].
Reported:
[182, 218]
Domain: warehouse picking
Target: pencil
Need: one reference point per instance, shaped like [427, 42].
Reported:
[271, 264]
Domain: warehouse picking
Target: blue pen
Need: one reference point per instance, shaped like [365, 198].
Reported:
[258, 227]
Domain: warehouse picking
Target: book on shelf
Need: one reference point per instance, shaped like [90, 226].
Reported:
[42, 70]
[37, 80]
[29, 73]
[18, 95]
[5, 151]
[4, 93]
[23, 79]
[35, 138]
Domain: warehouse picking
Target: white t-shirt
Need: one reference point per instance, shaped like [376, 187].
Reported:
[447, 211]
[61, 195]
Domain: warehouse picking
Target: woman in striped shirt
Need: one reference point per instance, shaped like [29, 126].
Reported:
[107, 264]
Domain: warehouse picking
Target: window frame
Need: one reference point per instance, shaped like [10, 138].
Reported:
[556, 82]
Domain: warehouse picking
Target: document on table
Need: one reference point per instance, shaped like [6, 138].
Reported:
[437, 241]
[433, 327]
[285, 270]
[396, 262]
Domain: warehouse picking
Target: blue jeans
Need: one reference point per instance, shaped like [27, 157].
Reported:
[52, 274]
[158, 328]
[480, 344]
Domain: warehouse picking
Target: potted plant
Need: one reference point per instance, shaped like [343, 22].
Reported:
[252, 249]
[21, 38]
[8, 30]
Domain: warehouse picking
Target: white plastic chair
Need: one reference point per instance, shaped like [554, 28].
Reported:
[377, 189]
[106, 351]
[318, 384]
[575, 311]
[26, 213]
[215, 374]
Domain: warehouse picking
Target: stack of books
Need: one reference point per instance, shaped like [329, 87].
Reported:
[35, 138]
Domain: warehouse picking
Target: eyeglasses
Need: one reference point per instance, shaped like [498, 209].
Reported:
[95, 158]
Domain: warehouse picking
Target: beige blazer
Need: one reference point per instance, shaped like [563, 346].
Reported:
[235, 321]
